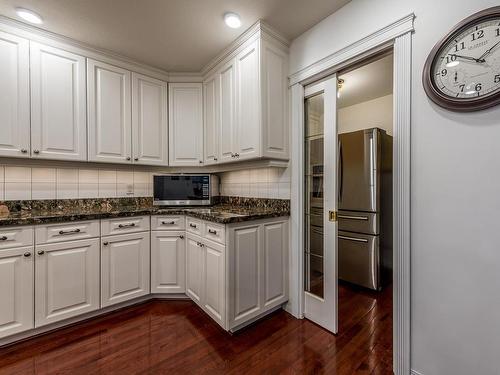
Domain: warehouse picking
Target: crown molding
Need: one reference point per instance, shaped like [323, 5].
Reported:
[254, 31]
[71, 45]
[376, 41]
[188, 77]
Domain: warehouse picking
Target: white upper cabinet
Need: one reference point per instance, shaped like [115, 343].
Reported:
[227, 122]
[248, 120]
[149, 120]
[210, 118]
[58, 104]
[185, 124]
[14, 91]
[109, 121]
[251, 100]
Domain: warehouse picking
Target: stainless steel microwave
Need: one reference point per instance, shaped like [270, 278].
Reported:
[183, 189]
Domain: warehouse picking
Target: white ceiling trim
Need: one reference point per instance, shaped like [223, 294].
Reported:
[365, 46]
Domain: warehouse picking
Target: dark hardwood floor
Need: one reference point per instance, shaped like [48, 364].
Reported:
[176, 337]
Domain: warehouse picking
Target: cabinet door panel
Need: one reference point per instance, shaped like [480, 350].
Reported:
[275, 254]
[246, 271]
[210, 123]
[58, 104]
[185, 124]
[248, 122]
[227, 111]
[109, 113]
[194, 269]
[149, 120]
[16, 290]
[66, 280]
[124, 267]
[14, 91]
[168, 262]
[214, 282]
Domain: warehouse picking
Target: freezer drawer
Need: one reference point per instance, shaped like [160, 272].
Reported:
[359, 222]
[359, 260]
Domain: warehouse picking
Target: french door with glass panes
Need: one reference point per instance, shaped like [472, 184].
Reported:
[320, 203]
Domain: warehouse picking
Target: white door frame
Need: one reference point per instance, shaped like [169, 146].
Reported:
[398, 36]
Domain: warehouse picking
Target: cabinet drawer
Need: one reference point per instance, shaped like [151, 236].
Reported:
[215, 232]
[170, 222]
[124, 225]
[194, 226]
[66, 231]
[16, 237]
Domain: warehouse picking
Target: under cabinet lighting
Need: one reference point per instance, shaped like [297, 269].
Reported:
[232, 20]
[29, 16]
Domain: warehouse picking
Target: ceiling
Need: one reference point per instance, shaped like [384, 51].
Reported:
[175, 35]
[367, 82]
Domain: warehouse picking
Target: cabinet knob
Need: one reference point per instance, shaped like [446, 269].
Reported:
[232, 155]
[181, 237]
[24, 151]
[40, 252]
[27, 254]
[236, 155]
[3, 238]
[192, 225]
[136, 159]
[128, 158]
[201, 161]
[215, 159]
[36, 151]
[105, 243]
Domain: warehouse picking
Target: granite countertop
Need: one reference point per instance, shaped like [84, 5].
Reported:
[220, 213]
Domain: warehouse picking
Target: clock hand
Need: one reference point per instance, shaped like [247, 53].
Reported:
[467, 58]
[488, 51]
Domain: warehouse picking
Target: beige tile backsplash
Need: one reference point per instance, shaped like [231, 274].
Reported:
[257, 183]
[39, 182]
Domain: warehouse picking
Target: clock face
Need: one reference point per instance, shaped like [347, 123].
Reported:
[467, 66]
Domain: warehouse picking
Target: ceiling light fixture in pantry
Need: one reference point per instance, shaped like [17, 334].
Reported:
[232, 20]
[29, 16]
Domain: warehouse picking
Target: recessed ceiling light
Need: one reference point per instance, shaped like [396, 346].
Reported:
[29, 16]
[232, 20]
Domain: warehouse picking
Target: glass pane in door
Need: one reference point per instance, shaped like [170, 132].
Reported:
[314, 190]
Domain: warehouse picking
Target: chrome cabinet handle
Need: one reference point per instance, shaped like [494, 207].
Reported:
[192, 225]
[24, 151]
[128, 158]
[168, 222]
[201, 161]
[181, 237]
[41, 252]
[348, 217]
[36, 151]
[105, 243]
[136, 159]
[211, 231]
[353, 239]
[4, 238]
[27, 254]
[69, 231]
[200, 244]
[215, 159]
[233, 155]
[236, 155]
[126, 225]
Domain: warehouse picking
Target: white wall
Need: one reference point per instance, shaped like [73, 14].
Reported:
[455, 194]
[370, 114]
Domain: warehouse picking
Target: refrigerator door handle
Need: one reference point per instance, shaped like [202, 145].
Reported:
[349, 217]
[340, 173]
[355, 239]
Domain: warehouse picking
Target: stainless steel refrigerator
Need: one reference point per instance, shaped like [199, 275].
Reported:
[365, 208]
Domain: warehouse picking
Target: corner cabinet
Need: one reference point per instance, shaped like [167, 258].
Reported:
[185, 124]
[247, 103]
[15, 102]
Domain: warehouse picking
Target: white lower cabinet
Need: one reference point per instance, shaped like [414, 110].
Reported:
[66, 280]
[16, 290]
[194, 268]
[168, 262]
[214, 282]
[125, 265]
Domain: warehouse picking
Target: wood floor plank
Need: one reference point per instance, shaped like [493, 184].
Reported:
[176, 337]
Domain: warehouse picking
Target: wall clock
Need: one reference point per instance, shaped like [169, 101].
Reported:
[462, 72]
